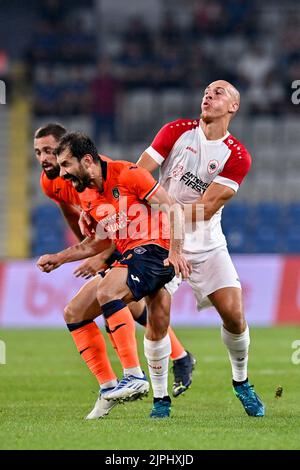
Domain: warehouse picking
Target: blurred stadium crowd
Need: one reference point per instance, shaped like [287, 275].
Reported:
[121, 78]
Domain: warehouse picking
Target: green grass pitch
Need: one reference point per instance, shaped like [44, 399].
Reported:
[46, 390]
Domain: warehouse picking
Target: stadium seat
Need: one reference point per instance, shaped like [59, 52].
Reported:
[48, 230]
[268, 213]
[266, 239]
[235, 215]
[292, 239]
[237, 239]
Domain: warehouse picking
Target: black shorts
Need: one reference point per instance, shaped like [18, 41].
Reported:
[115, 256]
[146, 270]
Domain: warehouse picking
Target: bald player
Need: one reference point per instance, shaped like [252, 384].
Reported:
[203, 165]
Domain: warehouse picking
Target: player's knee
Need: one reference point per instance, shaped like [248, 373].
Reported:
[158, 325]
[71, 315]
[104, 296]
[235, 321]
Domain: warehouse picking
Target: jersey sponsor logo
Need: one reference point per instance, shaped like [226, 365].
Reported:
[139, 250]
[116, 193]
[212, 166]
[178, 171]
[114, 222]
[191, 149]
[194, 182]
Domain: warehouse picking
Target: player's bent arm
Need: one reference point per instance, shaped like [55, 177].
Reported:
[213, 199]
[163, 201]
[147, 162]
[93, 265]
[71, 215]
[88, 247]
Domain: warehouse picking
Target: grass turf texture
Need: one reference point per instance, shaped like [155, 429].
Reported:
[46, 390]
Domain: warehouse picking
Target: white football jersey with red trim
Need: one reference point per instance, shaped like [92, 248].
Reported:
[189, 164]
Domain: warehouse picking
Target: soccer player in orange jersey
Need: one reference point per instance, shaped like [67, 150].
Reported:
[145, 268]
[46, 139]
[61, 191]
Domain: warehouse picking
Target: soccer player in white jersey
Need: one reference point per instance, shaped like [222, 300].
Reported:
[201, 163]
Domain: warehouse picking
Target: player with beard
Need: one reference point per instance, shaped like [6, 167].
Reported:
[62, 192]
[145, 268]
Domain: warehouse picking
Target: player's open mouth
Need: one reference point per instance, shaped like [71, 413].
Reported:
[47, 166]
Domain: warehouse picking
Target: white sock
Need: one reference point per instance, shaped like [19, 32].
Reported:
[136, 371]
[157, 354]
[238, 346]
[110, 384]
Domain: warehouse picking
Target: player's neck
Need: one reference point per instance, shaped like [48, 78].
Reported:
[214, 130]
[97, 179]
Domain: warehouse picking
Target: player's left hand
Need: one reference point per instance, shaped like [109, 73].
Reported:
[48, 263]
[180, 264]
[90, 267]
[86, 225]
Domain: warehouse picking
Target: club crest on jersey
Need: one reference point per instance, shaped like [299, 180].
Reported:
[139, 250]
[212, 166]
[178, 171]
[116, 193]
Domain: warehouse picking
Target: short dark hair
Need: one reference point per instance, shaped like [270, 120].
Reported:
[52, 128]
[79, 144]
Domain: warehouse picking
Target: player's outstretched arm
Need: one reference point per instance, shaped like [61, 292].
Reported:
[91, 266]
[147, 162]
[88, 247]
[162, 200]
[212, 200]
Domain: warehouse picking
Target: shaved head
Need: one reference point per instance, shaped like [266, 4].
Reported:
[229, 89]
[220, 99]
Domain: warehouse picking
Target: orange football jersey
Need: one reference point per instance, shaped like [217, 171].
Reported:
[59, 190]
[121, 209]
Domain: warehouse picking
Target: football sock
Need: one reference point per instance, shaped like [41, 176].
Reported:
[112, 342]
[92, 348]
[238, 346]
[122, 329]
[136, 371]
[110, 384]
[157, 354]
[234, 383]
[177, 350]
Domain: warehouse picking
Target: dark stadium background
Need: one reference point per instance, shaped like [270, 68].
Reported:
[119, 70]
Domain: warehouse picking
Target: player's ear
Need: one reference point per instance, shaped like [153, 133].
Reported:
[233, 108]
[87, 160]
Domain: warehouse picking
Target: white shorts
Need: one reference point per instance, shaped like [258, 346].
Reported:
[212, 273]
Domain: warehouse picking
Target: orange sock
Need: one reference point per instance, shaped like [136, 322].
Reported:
[176, 346]
[91, 345]
[122, 329]
[110, 337]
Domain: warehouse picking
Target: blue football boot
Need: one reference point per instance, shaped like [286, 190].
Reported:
[161, 408]
[249, 399]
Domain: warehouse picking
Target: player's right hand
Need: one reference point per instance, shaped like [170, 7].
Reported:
[180, 264]
[85, 224]
[90, 267]
[48, 263]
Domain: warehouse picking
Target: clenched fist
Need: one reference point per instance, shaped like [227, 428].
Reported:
[48, 263]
